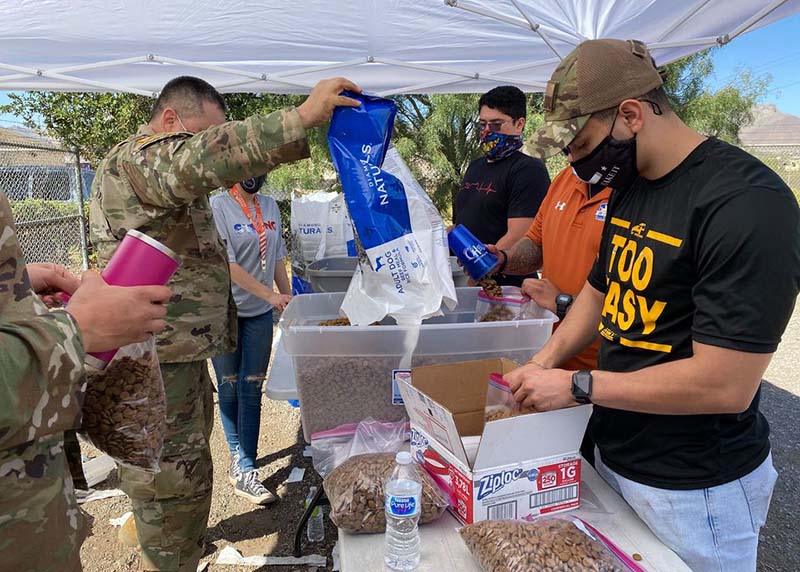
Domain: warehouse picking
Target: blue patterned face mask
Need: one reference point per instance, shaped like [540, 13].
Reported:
[497, 146]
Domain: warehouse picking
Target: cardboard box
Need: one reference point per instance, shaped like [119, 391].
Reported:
[526, 466]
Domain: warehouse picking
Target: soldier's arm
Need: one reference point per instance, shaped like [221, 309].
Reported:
[169, 170]
[42, 376]
[41, 353]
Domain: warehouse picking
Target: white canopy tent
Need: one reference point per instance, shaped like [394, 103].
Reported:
[387, 46]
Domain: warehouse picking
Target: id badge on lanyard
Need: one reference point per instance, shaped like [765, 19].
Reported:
[258, 225]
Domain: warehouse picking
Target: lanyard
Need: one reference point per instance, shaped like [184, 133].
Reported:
[258, 224]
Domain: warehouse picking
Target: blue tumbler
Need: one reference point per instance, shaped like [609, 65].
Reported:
[471, 252]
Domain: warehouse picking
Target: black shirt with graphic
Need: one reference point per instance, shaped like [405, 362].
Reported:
[492, 193]
[708, 253]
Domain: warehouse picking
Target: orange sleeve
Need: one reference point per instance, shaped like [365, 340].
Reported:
[535, 230]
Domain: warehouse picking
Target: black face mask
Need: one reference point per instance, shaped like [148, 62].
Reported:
[611, 164]
[252, 184]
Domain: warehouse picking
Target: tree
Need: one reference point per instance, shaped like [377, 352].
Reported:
[92, 122]
[718, 113]
[437, 136]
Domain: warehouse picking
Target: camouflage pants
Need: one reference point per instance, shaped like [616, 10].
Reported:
[171, 507]
[41, 526]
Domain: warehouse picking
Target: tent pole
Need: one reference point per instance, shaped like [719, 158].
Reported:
[423, 86]
[538, 29]
[84, 67]
[230, 71]
[420, 87]
[277, 76]
[683, 19]
[558, 34]
[457, 73]
[707, 41]
[326, 67]
[760, 15]
[82, 82]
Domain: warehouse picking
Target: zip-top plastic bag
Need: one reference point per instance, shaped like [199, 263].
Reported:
[512, 304]
[500, 402]
[356, 492]
[331, 448]
[124, 411]
[404, 268]
[548, 544]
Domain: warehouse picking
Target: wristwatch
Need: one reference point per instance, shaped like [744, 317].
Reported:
[582, 386]
[563, 302]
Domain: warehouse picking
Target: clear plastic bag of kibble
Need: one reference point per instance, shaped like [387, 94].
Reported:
[500, 402]
[512, 304]
[548, 544]
[124, 411]
[356, 493]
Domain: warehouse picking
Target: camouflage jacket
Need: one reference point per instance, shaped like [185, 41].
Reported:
[41, 367]
[158, 183]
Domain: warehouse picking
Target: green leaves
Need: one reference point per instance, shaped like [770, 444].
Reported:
[93, 122]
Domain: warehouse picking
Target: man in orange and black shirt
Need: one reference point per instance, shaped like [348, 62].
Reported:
[562, 242]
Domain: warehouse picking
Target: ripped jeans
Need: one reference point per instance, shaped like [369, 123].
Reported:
[240, 378]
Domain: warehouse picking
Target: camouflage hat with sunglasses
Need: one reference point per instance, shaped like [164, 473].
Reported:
[597, 75]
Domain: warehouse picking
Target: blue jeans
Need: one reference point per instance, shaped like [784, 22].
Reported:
[712, 530]
[240, 377]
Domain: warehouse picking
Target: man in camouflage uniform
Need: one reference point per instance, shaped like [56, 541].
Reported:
[158, 182]
[41, 392]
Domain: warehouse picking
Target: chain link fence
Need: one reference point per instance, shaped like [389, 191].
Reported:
[46, 187]
[783, 159]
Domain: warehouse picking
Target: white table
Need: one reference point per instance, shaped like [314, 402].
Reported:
[281, 384]
[444, 551]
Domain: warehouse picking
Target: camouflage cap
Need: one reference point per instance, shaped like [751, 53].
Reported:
[596, 75]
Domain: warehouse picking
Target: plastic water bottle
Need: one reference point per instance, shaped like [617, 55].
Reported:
[403, 497]
[315, 529]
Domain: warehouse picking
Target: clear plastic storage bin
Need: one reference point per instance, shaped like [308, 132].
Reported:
[345, 373]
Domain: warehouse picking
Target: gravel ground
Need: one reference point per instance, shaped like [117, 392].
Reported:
[258, 531]
[779, 550]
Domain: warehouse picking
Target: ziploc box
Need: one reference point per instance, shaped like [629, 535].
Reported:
[525, 466]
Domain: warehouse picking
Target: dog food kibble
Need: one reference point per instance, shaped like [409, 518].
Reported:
[498, 413]
[124, 410]
[497, 313]
[491, 287]
[336, 322]
[355, 490]
[545, 545]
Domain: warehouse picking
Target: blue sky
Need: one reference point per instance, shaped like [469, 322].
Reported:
[773, 49]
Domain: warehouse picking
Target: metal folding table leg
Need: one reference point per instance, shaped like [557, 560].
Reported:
[319, 500]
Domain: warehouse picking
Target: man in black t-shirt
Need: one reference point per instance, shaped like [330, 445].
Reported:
[696, 278]
[501, 191]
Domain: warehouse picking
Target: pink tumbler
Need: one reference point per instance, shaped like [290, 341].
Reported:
[138, 261]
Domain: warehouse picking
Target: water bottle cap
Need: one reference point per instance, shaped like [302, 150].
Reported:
[403, 458]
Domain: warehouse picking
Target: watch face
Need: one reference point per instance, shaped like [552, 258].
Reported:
[563, 299]
[582, 386]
